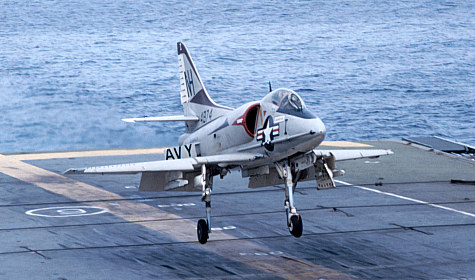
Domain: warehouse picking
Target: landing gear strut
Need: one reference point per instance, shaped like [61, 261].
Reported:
[204, 226]
[294, 220]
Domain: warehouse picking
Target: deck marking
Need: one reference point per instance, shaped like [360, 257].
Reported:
[222, 228]
[176, 206]
[94, 153]
[67, 211]
[262, 253]
[408, 198]
[171, 225]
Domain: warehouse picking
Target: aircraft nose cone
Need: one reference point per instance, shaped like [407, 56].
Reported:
[319, 127]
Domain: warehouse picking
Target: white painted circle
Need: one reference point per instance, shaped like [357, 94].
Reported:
[67, 211]
[71, 211]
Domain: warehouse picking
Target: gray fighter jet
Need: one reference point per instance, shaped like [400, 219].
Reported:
[271, 141]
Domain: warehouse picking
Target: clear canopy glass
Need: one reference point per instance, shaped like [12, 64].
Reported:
[289, 102]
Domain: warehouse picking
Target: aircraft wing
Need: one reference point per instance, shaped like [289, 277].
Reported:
[340, 155]
[269, 176]
[184, 165]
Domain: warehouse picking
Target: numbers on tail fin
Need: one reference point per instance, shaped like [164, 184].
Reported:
[206, 115]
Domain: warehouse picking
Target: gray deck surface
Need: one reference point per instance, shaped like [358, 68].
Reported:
[416, 225]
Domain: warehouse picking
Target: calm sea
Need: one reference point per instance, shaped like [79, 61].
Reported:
[71, 69]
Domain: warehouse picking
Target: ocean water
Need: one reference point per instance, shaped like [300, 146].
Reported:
[71, 69]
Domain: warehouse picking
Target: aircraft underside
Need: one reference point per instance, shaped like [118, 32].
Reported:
[288, 171]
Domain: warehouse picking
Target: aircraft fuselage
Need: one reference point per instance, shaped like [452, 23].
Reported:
[259, 127]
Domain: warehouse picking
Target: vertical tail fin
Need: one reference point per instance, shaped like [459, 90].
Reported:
[194, 97]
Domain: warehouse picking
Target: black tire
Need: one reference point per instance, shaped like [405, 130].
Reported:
[202, 231]
[296, 225]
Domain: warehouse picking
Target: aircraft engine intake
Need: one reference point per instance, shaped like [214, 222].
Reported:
[250, 119]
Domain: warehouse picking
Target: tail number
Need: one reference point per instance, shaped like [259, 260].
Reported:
[206, 115]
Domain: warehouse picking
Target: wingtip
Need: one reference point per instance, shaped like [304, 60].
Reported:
[75, 171]
[129, 120]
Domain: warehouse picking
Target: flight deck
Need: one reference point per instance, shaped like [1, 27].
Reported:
[410, 215]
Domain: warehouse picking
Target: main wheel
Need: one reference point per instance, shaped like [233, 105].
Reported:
[296, 225]
[202, 231]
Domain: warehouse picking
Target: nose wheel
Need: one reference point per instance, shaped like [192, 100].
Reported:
[296, 225]
[202, 231]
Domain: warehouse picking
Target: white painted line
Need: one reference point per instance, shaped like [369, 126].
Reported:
[176, 205]
[223, 228]
[262, 253]
[408, 198]
[145, 200]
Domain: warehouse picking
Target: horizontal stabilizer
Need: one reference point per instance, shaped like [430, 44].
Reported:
[162, 119]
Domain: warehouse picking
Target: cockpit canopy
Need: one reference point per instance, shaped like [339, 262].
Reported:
[288, 102]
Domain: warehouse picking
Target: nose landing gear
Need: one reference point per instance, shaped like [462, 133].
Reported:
[294, 220]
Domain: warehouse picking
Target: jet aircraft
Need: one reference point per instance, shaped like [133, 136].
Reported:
[271, 141]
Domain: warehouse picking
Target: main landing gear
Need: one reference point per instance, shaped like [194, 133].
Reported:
[204, 226]
[294, 220]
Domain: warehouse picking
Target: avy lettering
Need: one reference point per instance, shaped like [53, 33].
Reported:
[178, 152]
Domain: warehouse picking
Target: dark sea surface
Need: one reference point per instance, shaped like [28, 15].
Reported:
[70, 70]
